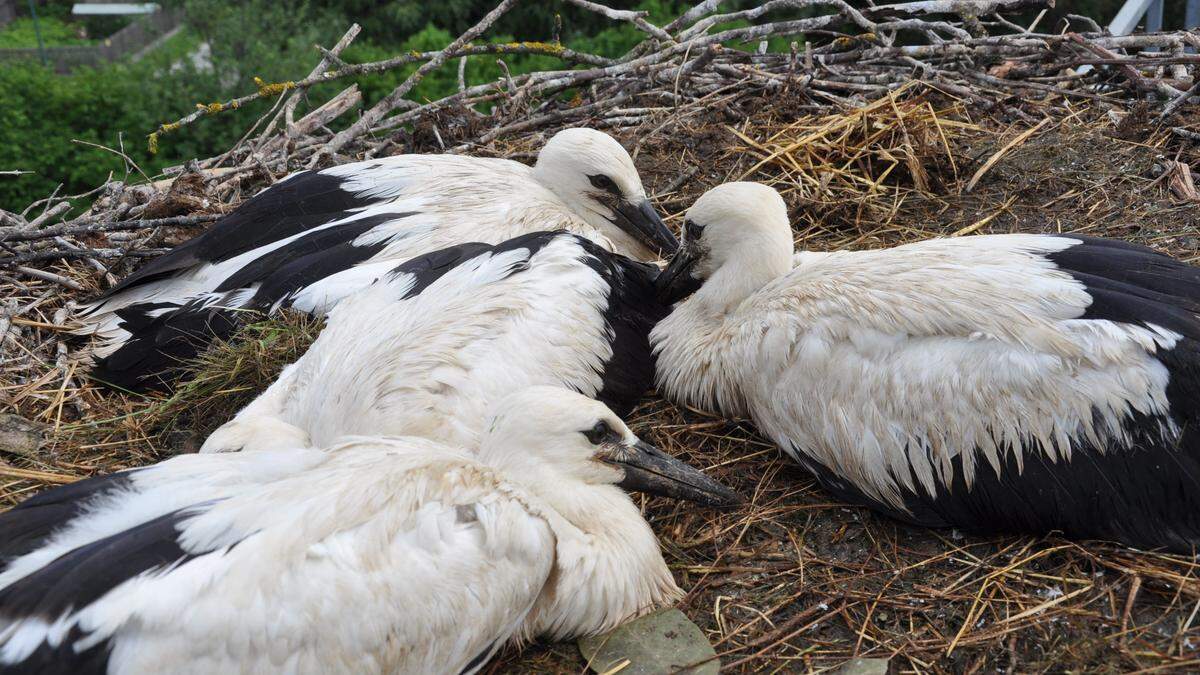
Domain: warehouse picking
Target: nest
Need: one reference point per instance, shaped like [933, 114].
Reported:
[868, 150]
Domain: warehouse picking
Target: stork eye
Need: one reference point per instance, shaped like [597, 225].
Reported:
[605, 183]
[693, 230]
[598, 433]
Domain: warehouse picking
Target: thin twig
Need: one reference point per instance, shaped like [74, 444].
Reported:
[389, 102]
[71, 229]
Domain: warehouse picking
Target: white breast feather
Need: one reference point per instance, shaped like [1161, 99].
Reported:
[605, 576]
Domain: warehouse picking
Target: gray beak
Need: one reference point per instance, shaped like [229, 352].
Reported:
[641, 221]
[650, 470]
[676, 282]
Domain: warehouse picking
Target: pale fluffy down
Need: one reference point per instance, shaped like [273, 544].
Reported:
[897, 374]
[373, 555]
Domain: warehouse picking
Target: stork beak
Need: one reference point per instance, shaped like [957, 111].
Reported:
[642, 222]
[676, 282]
[650, 470]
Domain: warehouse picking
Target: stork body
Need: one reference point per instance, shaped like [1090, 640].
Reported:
[430, 347]
[1025, 383]
[317, 236]
[374, 555]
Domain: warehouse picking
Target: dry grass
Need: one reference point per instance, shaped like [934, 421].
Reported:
[93, 430]
[795, 581]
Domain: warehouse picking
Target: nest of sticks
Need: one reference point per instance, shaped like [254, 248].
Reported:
[891, 124]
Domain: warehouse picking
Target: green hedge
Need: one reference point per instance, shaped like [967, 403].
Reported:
[41, 112]
[20, 34]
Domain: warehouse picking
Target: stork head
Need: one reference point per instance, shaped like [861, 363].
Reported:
[595, 177]
[573, 454]
[737, 235]
[561, 439]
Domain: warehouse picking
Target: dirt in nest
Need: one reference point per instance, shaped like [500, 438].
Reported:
[797, 581]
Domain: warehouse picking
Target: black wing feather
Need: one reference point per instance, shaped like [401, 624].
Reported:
[1125, 276]
[28, 526]
[304, 201]
[78, 578]
[83, 575]
[63, 660]
[633, 311]
[427, 269]
[1147, 494]
[311, 247]
[159, 346]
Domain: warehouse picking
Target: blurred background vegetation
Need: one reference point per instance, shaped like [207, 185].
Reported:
[47, 118]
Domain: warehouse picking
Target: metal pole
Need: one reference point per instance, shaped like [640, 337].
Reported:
[1128, 17]
[1154, 16]
[37, 30]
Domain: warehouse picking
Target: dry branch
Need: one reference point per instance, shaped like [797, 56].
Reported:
[850, 58]
[28, 234]
[392, 100]
[635, 18]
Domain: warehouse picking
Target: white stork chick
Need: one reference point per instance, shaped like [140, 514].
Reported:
[1026, 383]
[433, 345]
[376, 555]
[316, 236]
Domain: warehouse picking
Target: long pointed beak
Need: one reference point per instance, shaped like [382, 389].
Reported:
[641, 221]
[676, 282]
[650, 470]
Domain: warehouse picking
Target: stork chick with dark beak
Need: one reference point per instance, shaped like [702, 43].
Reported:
[188, 565]
[633, 214]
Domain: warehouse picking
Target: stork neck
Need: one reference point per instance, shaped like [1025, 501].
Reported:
[608, 566]
[745, 273]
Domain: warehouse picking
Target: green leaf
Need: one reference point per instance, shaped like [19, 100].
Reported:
[864, 667]
[655, 644]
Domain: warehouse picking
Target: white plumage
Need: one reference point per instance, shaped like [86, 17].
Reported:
[430, 347]
[375, 555]
[1008, 382]
[317, 236]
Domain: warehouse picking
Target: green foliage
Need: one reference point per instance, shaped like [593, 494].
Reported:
[55, 9]
[59, 26]
[444, 81]
[393, 22]
[100, 26]
[42, 113]
[260, 38]
[375, 87]
[609, 39]
[36, 133]
[20, 33]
